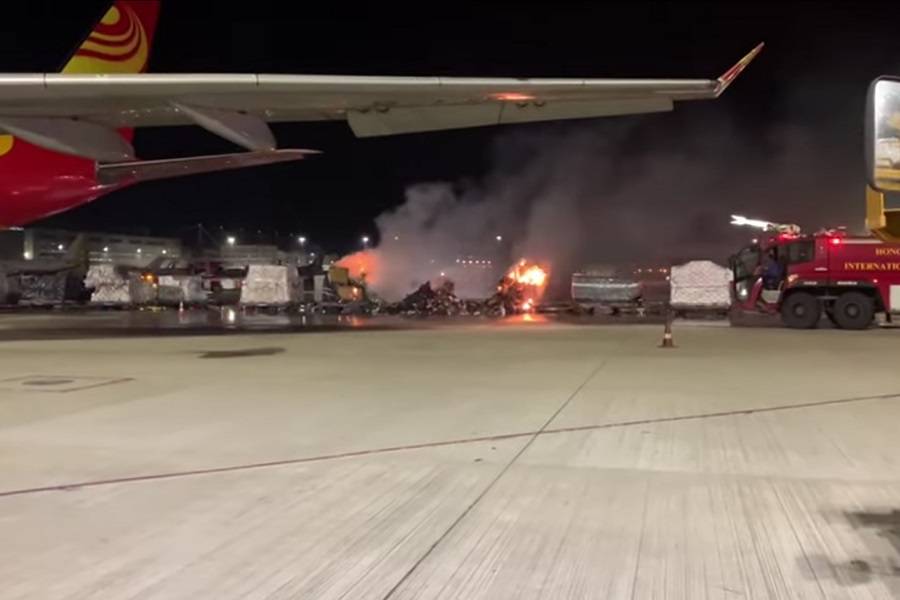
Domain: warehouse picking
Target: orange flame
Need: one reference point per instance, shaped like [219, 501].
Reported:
[364, 265]
[532, 275]
[531, 279]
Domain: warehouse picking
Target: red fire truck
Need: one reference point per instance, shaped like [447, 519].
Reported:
[848, 278]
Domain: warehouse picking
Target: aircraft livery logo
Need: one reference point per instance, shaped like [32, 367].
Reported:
[118, 44]
[6, 143]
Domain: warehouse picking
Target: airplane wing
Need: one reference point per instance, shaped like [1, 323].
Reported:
[148, 170]
[78, 114]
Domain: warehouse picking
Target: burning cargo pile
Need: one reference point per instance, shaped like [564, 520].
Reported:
[428, 301]
[519, 291]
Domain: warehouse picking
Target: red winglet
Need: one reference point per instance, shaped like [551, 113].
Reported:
[731, 74]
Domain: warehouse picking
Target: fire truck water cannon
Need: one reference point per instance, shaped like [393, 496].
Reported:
[787, 228]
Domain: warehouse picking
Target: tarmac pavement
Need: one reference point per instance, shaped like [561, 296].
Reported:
[477, 459]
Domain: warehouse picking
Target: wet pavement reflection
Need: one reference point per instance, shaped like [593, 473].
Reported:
[78, 323]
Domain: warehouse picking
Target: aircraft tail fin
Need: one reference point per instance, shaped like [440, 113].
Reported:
[120, 42]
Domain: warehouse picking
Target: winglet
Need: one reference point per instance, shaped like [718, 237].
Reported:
[731, 74]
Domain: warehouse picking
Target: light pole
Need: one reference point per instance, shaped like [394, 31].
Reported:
[307, 258]
[231, 240]
[365, 241]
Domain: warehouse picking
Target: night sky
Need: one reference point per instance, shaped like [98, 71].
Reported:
[812, 76]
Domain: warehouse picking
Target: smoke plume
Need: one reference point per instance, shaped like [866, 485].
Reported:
[613, 192]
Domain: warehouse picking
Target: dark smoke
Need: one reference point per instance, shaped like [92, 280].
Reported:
[616, 192]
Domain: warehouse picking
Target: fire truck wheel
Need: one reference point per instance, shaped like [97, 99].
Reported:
[854, 310]
[801, 311]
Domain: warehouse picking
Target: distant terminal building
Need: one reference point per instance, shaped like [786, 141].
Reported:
[117, 248]
[475, 276]
[476, 262]
[242, 255]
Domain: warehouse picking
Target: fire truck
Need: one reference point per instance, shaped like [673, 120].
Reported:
[801, 276]
[848, 278]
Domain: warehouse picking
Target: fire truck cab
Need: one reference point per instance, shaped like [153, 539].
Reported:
[848, 278]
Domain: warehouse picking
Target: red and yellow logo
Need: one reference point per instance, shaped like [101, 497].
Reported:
[6, 144]
[118, 44]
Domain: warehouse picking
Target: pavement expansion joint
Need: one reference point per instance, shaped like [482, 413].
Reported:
[533, 436]
[545, 430]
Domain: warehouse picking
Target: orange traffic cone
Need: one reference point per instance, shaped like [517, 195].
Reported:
[668, 341]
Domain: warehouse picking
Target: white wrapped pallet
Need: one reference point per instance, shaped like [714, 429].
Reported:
[109, 294]
[108, 285]
[700, 284]
[269, 285]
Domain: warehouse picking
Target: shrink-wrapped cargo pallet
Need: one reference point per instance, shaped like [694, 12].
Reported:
[39, 289]
[109, 287]
[700, 284]
[588, 288]
[269, 285]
